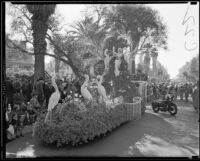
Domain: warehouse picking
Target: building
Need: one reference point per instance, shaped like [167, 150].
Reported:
[17, 59]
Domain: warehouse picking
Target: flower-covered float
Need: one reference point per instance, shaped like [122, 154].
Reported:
[108, 100]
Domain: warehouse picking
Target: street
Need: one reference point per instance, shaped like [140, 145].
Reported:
[155, 134]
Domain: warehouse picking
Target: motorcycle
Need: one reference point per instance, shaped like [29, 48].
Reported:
[165, 105]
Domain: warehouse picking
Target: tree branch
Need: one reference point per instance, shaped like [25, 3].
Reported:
[56, 46]
[68, 62]
[28, 41]
[20, 17]
[15, 46]
[28, 18]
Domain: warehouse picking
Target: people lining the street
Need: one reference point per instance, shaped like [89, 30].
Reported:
[160, 89]
[25, 102]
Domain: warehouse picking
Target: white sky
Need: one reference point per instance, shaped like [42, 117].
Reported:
[173, 15]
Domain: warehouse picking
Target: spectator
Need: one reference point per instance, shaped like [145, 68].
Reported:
[18, 97]
[195, 97]
[21, 114]
[29, 91]
[186, 92]
[34, 102]
[9, 128]
[48, 90]
[31, 113]
[39, 87]
[190, 89]
[25, 90]
[176, 91]
[36, 107]
[181, 91]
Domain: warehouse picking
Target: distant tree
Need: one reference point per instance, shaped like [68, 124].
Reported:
[161, 74]
[190, 71]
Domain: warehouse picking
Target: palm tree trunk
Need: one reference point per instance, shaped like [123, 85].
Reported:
[39, 27]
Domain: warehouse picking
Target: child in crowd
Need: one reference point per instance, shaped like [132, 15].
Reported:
[18, 120]
[36, 107]
[9, 127]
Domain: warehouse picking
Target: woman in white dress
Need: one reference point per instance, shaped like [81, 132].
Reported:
[118, 62]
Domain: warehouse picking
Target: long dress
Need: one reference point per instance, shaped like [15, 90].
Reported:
[117, 64]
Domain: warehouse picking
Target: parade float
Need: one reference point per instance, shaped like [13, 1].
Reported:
[108, 100]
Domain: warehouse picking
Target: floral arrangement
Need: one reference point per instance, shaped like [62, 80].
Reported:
[75, 126]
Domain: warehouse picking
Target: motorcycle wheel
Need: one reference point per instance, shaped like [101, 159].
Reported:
[173, 109]
[155, 109]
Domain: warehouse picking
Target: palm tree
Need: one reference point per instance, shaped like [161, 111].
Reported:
[40, 16]
[90, 35]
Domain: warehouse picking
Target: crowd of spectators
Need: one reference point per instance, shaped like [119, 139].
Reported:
[25, 101]
[178, 90]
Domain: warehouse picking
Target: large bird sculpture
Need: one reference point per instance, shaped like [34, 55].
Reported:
[84, 91]
[53, 100]
[100, 88]
[126, 55]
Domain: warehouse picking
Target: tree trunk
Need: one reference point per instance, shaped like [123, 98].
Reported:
[154, 59]
[57, 65]
[135, 39]
[133, 66]
[147, 60]
[39, 27]
[39, 67]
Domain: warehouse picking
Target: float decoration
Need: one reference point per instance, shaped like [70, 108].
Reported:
[79, 121]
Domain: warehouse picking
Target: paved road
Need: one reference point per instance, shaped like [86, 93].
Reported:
[153, 135]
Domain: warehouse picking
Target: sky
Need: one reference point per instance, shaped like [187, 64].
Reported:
[178, 33]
